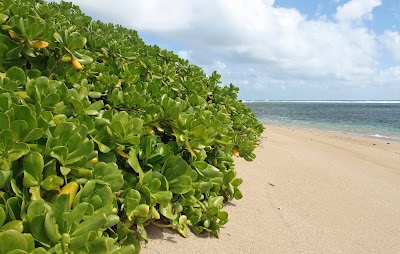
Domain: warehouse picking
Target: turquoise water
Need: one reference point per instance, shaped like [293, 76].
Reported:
[378, 119]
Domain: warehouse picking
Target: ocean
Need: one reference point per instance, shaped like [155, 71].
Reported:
[377, 119]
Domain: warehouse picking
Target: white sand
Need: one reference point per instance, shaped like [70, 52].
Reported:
[307, 192]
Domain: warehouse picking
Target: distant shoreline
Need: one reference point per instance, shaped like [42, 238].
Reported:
[366, 119]
[326, 101]
[354, 134]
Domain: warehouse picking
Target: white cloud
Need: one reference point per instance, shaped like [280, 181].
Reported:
[217, 66]
[185, 54]
[149, 15]
[356, 10]
[258, 33]
[391, 40]
[389, 75]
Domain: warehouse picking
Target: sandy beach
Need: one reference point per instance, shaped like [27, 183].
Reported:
[307, 192]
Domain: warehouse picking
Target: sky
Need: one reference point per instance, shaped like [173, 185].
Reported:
[275, 50]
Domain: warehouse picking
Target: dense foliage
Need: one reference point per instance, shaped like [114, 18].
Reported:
[101, 135]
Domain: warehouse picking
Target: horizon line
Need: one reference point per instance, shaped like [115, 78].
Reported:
[364, 101]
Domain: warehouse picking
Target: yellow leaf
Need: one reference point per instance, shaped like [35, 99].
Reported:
[71, 189]
[76, 64]
[236, 152]
[40, 44]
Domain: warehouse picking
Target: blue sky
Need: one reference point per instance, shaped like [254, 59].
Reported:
[386, 16]
[282, 49]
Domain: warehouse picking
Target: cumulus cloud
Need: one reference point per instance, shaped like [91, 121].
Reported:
[356, 10]
[391, 40]
[185, 54]
[148, 15]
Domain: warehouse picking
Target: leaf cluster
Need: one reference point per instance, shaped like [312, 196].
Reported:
[102, 135]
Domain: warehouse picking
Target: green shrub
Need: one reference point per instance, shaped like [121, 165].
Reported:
[101, 135]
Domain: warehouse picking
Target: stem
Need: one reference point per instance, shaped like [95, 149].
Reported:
[155, 121]
[190, 149]
[52, 69]
[148, 222]
[163, 225]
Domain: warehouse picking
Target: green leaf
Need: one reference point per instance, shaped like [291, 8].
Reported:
[75, 41]
[136, 125]
[4, 122]
[60, 207]
[51, 228]
[80, 240]
[65, 170]
[29, 180]
[142, 231]
[78, 107]
[60, 153]
[174, 167]
[2, 216]
[94, 223]
[236, 182]
[3, 18]
[52, 182]
[205, 186]
[88, 189]
[3, 52]
[110, 174]
[77, 213]
[180, 185]
[238, 194]
[12, 240]
[206, 169]
[126, 250]
[36, 208]
[118, 128]
[101, 245]
[16, 225]
[84, 149]
[58, 37]
[33, 135]
[14, 53]
[33, 164]
[4, 177]
[163, 197]
[141, 210]
[198, 131]
[7, 140]
[112, 220]
[134, 163]
[38, 230]
[94, 108]
[83, 59]
[168, 211]
[17, 151]
[16, 74]
[51, 100]
[20, 127]
[63, 132]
